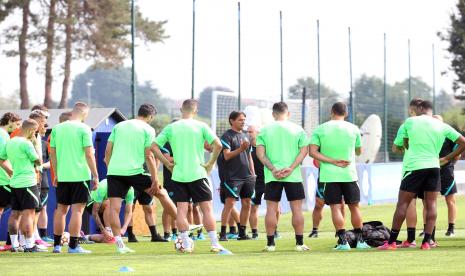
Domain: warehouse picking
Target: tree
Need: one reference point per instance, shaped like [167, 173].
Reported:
[455, 36]
[110, 88]
[328, 95]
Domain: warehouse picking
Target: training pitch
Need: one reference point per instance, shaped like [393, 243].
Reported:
[161, 259]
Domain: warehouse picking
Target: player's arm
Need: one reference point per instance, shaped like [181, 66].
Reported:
[397, 149]
[358, 151]
[251, 164]
[53, 160]
[95, 209]
[6, 166]
[162, 157]
[216, 150]
[316, 154]
[151, 165]
[261, 154]
[127, 218]
[230, 154]
[457, 152]
[108, 152]
[90, 159]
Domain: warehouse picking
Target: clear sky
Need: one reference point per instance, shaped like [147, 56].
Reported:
[168, 65]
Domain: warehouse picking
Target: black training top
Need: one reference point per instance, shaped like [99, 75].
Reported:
[258, 166]
[166, 173]
[236, 168]
[447, 148]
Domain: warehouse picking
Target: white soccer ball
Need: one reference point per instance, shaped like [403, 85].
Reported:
[180, 247]
[65, 238]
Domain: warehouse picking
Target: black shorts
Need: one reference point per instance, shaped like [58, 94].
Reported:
[448, 185]
[143, 198]
[320, 190]
[25, 198]
[259, 191]
[118, 185]
[69, 193]
[43, 197]
[168, 185]
[5, 196]
[240, 188]
[223, 192]
[294, 191]
[197, 191]
[419, 181]
[334, 192]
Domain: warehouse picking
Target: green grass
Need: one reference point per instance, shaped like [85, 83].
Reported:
[160, 259]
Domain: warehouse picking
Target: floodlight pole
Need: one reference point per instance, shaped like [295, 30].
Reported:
[319, 80]
[193, 49]
[386, 155]
[351, 95]
[281, 51]
[434, 82]
[239, 54]
[133, 73]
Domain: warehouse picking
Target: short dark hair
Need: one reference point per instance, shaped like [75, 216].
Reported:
[29, 123]
[426, 105]
[189, 105]
[37, 114]
[146, 110]
[415, 102]
[65, 116]
[339, 109]
[234, 115]
[280, 108]
[39, 107]
[9, 117]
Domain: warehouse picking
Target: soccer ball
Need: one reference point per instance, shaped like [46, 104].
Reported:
[180, 247]
[65, 238]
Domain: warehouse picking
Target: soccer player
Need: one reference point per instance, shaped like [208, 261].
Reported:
[398, 147]
[9, 122]
[189, 179]
[253, 131]
[424, 137]
[72, 156]
[334, 144]
[238, 171]
[448, 186]
[168, 221]
[128, 148]
[98, 207]
[281, 147]
[24, 190]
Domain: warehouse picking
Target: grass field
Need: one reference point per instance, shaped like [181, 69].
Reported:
[160, 259]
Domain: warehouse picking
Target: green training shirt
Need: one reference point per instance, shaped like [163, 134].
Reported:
[426, 136]
[69, 139]
[4, 138]
[337, 140]
[282, 141]
[130, 139]
[187, 138]
[21, 153]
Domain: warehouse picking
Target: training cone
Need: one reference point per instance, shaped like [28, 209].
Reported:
[126, 269]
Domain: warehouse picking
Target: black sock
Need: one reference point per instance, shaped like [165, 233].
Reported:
[73, 242]
[254, 231]
[42, 232]
[426, 238]
[232, 229]
[341, 236]
[393, 236]
[358, 234]
[299, 239]
[242, 231]
[199, 231]
[411, 234]
[8, 239]
[315, 229]
[174, 231]
[433, 234]
[166, 234]
[223, 230]
[56, 240]
[130, 233]
[451, 227]
[153, 231]
[270, 240]
[238, 225]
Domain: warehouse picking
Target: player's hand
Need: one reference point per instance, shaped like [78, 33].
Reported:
[123, 230]
[108, 236]
[245, 144]
[55, 182]
[341, 163]
[154, 188]
[286, 172]
[208, 167]
[94, 183]
[443, 161]
[276, 173]
[170, 166]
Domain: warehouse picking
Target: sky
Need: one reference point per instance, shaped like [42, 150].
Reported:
[168, 65]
